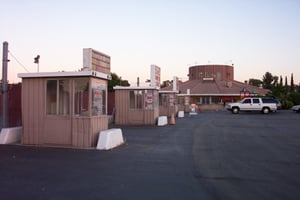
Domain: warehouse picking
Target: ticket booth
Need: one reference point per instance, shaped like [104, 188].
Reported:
[168, 99]
[168, 103]
[136, 105]
[64, 108]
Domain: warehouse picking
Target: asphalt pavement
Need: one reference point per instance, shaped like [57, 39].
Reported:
[214, 155]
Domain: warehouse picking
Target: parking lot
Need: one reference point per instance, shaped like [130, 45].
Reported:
[213, 155]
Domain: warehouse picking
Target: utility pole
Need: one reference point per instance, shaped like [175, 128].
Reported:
[4, 86]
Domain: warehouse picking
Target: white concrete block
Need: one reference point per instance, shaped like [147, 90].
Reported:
[180, 114]
[10, 135]
[162, 121]
[193, 113]
[109, 139]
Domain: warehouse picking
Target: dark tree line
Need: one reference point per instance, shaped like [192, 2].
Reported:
[287, 93]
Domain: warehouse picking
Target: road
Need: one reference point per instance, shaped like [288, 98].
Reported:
[214, 155]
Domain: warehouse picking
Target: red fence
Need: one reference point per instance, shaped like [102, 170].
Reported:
[111, 103]
[14, 105]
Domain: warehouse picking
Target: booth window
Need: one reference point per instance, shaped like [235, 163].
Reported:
[98, 97]
[163, 100]
[58, 97]
[81, 98]
[136, 99]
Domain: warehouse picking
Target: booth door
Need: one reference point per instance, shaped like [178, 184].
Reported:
[58, 123]
[58, 131]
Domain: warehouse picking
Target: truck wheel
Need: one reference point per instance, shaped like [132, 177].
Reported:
[235, 110]
[266, 110]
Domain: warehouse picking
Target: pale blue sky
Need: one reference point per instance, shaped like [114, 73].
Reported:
[256, 35]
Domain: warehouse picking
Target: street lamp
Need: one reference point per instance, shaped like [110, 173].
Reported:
[36, 60]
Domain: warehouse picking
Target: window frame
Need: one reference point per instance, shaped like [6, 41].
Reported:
[58, 100]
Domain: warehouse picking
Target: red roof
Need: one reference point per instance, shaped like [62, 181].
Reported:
[213, 87]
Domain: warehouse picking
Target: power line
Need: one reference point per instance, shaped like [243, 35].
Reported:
[14, 57]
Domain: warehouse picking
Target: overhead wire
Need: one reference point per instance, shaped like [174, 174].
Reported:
[14, 57]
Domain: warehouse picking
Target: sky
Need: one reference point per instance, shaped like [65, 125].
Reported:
[256, 36]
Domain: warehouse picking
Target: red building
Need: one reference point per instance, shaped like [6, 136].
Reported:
[216, 72]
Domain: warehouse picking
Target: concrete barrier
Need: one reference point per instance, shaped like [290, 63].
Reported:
[10, 135]
[180, 114]
[109, 139]
[162, 121]
[193, 113]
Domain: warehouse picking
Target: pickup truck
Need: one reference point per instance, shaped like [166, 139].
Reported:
[264, 105]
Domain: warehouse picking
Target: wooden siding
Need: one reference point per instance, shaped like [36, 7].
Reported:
[32, 111]
[168, 111]
[57, 130]
[98, 123]
[85, 130]
[122, 106]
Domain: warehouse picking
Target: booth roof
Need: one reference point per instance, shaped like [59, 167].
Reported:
[135, 88]
[65, 74]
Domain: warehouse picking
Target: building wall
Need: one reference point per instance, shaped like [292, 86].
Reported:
[218, 72]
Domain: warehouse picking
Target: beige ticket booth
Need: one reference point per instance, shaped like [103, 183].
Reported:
[168, 100]
[136, 105]
[64, 108]
[168, 104]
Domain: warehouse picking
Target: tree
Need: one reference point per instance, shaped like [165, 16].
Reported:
[267, 80]
[255, 82]
[292, 84]
[281, 81]
[116, 80]
[275, 80]
[166, 83]
[295, 97]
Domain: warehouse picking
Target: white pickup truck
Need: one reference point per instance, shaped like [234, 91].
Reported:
[264, 105]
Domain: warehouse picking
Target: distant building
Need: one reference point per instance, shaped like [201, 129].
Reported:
[216, 72]
[211, 87]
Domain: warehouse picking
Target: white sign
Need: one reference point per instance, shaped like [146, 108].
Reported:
[175, 83]
[95, 60]
[155, 76]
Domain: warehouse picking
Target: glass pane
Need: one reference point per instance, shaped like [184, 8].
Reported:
[51, 99]
[163, 100]
[64, 97]
[98, 97]
[81, 97]
[132, 99]
[136, 99]
[139, 99]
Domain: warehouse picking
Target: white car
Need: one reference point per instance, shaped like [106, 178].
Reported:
[296, 108]
[265, 105]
